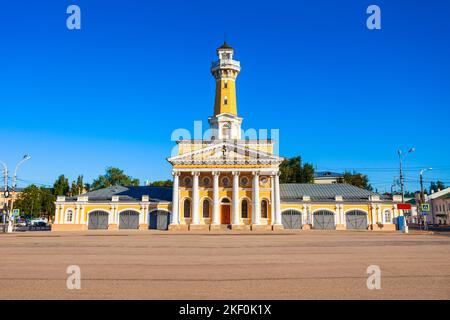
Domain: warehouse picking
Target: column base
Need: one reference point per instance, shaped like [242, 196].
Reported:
[341, 227]
[277, 227]
[113, 227]
[198, 227]
[178, 227]
[261, 227]
[143, 226]
[240, 227]
[306, 227]
[215, 227]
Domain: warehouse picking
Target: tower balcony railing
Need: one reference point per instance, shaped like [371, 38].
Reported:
[226, 64]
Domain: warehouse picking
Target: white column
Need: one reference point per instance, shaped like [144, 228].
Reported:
[195, 196]
[77, 215]
[146, 213]
[175, 198]
[235, 207]
[277, 199]
[215, 215]
[256, 210]
[380, 218]
[57, 210]
[82, 217]
[142, 214]
[116, 214]
[111, 215]
[343, 219]
[272, 198]
[373, 214]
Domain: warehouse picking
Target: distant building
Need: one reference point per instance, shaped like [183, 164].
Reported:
[327, 177]
[440, 206]
[3, 200]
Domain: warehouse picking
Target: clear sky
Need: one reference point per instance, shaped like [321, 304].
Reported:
[110, 94]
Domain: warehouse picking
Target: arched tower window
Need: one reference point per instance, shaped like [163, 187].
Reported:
[225, 100]
[264, 209]
[187, 208]
[205, 208]
[244, 209]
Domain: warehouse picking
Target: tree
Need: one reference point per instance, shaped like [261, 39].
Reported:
[292, 171]
[61, 186]
[113, 177]
[36, 202]
[436, 186]
[162, 183]
[357, 179]
[77, 187]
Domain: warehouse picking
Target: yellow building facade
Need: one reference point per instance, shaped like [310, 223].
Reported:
[226, 182]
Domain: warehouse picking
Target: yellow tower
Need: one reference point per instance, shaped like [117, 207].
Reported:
[225, 123]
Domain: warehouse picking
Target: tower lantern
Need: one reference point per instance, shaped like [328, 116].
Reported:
[225, 123]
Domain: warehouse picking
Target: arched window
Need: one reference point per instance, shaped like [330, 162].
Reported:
[205, 208]
[226, 200]
[244, 209]
[187, 208]
[225, 84]
[225, 100]
[69, 216]
[264, 209]
[387, 216]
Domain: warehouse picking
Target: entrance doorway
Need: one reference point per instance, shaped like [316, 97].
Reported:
[225, 211]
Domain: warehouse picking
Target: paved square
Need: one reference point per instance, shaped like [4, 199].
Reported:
[162, 265]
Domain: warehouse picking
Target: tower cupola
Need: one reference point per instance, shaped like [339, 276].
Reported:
[225, 123]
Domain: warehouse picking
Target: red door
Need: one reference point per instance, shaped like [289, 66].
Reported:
[225, 214]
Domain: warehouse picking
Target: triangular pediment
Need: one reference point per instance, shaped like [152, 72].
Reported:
[226, 153]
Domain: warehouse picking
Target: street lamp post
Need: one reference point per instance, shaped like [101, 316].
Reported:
[14, 185]
[5, 181]
[422, 196]
[401, 156]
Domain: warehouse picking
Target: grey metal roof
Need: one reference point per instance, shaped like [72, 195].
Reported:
[130, 193]
[288, 192]
[291, 191]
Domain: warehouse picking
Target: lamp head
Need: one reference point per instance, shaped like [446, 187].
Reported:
[412, 150]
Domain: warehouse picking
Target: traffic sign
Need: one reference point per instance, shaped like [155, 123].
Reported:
[425, 207]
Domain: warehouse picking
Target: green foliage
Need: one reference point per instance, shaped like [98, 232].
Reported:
[162, 183]
[36, 202]
[292, 171]
[357, 179]
[435, 186]
[61, 186]
[77, 187]
[113, 177]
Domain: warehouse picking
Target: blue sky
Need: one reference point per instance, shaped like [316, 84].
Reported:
[342, 96]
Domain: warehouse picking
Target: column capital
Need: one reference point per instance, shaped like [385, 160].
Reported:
[256, 173]
[215, 173]
[176, 173]
[195, 173]
[235, 173]
[275, 173]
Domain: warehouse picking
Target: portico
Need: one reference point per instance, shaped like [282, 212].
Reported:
[235, 198]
